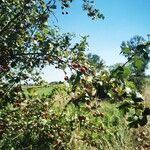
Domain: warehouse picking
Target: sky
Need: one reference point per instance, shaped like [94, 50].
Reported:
[123, 20]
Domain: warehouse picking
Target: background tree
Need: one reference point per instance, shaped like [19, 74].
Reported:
[137, 54]
[95, 61]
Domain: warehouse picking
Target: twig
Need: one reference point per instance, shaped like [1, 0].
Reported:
[8, 89]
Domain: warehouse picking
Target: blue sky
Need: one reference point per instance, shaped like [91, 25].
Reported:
[123, 20]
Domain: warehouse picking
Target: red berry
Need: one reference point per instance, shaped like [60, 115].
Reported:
[82, 70]
[85, 68]
[18, 101]
[82, 118]
[66, 78]
[75, 65]
[94, 114]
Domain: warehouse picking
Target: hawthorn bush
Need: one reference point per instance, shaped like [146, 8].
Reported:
[37, 124]
[28, 44]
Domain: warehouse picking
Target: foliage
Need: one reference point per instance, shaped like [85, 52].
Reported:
[28, 44]
[136, 50]
[95, 61]
[115, 85]
[30, 121]
[39, 125]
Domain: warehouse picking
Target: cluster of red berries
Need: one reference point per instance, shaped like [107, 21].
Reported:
[82, 69]
[4, 68]
[17, 103]
[66, 78]
[77, 67]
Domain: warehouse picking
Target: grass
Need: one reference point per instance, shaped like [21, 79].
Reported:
[40, 91]
[114, 133]
[147, 92]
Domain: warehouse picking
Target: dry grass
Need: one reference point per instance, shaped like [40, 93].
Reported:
[147, 92]
[142, 134]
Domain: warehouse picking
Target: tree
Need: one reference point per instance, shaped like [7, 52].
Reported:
[28, 43]
[137, 54]
[95, 61]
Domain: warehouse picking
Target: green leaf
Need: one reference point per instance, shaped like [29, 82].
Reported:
[127, 71]
[120, 68]
[143, 121]
[138, 63]
[146, 111]
[53, 7]
[126, 50]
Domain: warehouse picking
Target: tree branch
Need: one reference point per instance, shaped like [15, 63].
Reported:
[6, 27]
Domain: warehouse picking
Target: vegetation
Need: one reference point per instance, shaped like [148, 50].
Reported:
[95, 61]
[97, 107]
[133, 50]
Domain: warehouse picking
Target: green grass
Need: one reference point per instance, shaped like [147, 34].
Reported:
[42, 90]
[114, 134]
